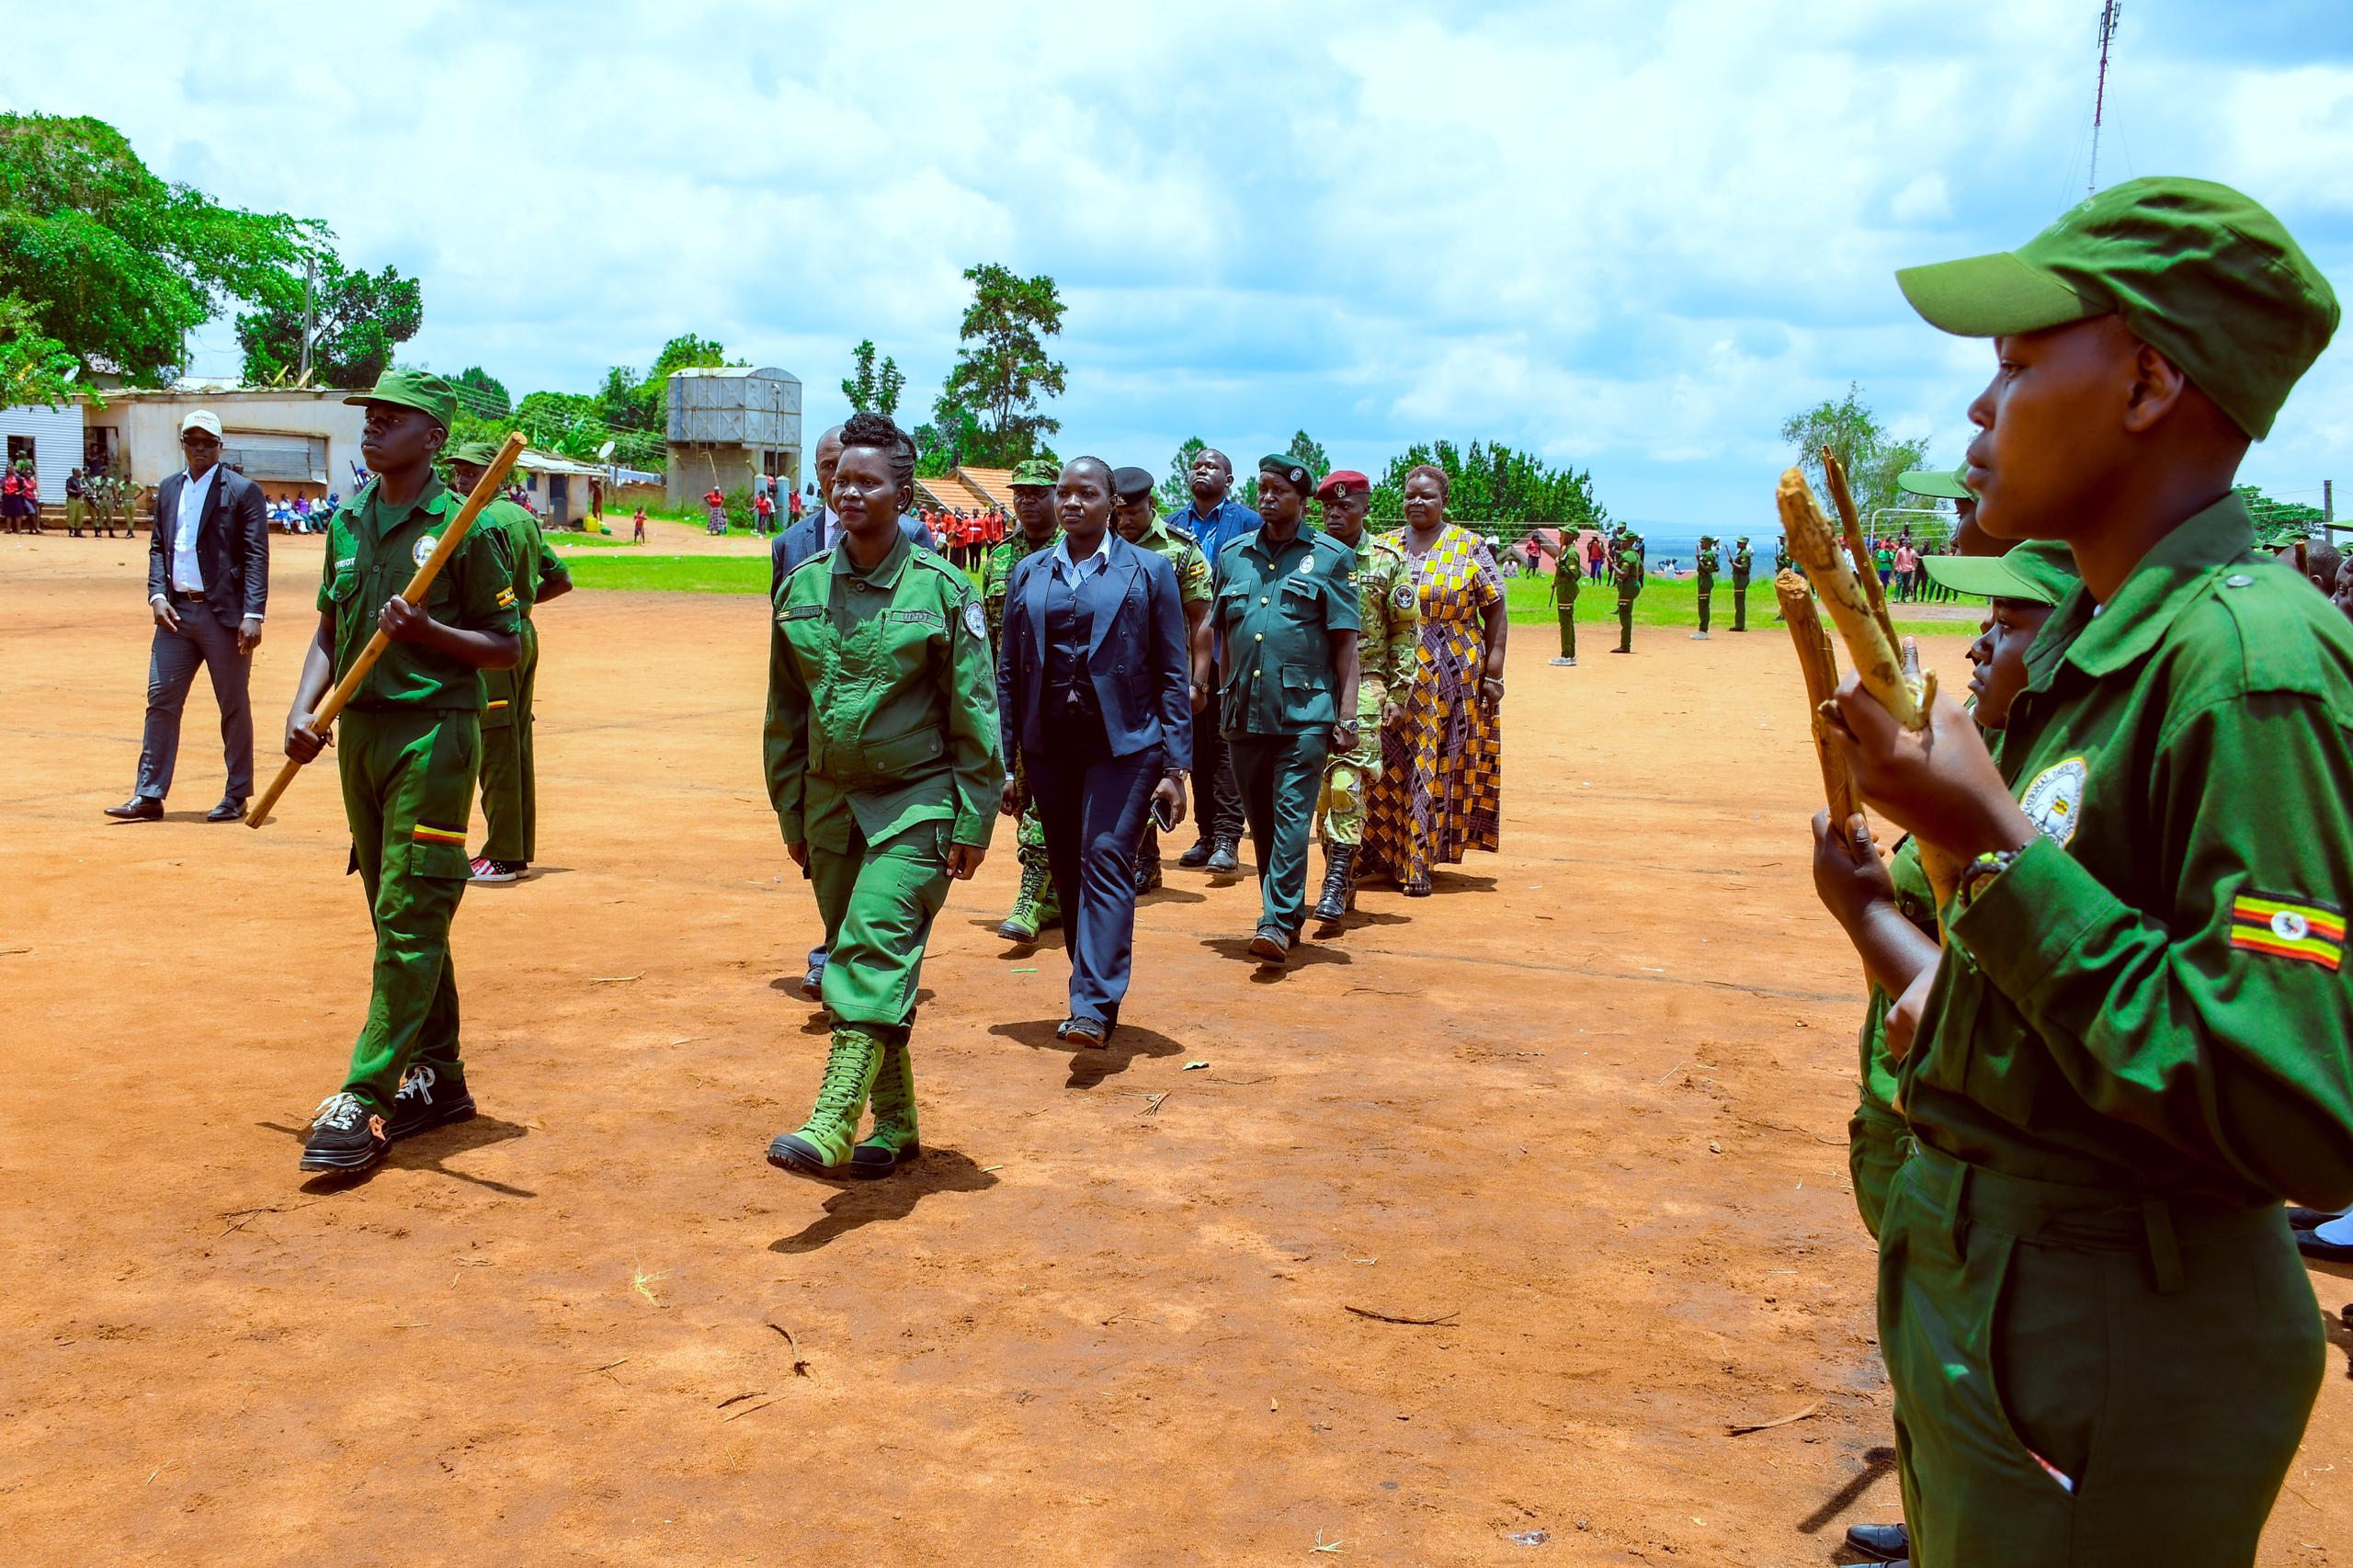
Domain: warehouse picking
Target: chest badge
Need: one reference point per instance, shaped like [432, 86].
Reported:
[2056, 800]
[423, 551]
[1308, 564]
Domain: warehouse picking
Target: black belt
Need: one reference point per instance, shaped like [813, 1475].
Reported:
[185, 594]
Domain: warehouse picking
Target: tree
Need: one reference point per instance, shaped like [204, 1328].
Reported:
[1493, 483]
[1176, 490]
[486, 393]
[1872, 459]
[33, 369]
[116, 265]
[626, 403]
[871, 391]
[2279, 522]
[357, 320]
[1003, 369]
[1308, 452]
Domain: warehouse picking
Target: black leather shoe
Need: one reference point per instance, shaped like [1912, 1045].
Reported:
[2312, 1247]
[2310, 1219]
[139, 808]
[1880, 1543]
[1224, 856]
[1196, 858]
[1271, 946]
[231, 808]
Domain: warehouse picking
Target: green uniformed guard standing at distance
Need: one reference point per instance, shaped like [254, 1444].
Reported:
[1627, 564]
[410, 746]
[885, 768]
[1036, 907]
[1705, 559]
[2100, 1335]
[1567, 572]
[1287, 614]
[1744, 561]
[1135, 513]
[510, 792]
[1389, 658]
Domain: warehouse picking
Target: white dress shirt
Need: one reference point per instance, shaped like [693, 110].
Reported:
[1076, 572]
[186, 575]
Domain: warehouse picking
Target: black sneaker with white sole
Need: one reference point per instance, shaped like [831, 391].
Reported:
[346, 1136]
[428, 1099]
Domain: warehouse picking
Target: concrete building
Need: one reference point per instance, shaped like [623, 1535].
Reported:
[727, 424]
[290, 441]
[50, 437]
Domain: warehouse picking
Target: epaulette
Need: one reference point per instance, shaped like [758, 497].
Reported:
[825, 555]
[944, 567]
[1179, 535]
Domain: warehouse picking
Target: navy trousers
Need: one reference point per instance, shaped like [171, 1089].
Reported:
[1092, 806]
[203, 639]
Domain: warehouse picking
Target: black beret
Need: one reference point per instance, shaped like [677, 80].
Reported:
[1127, 483]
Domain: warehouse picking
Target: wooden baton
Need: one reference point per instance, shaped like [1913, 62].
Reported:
[485, 492]
[1819, 663]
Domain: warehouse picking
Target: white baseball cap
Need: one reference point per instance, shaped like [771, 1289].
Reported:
[201, 419]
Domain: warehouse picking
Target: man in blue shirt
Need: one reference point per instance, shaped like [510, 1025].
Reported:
[1213, 521]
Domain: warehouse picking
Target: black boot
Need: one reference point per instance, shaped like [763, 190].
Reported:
[1339, 863]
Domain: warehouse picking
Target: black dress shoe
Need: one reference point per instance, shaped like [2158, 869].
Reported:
[1271, 945]
[139, 808]
[1880, 1543]
[1224, 855]
[1196, 858]
[231, 808]
[2310, 1219]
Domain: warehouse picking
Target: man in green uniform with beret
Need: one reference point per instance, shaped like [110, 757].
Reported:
[1389, 655]
[883, 766]
[1705, 559]
[1135, 513]
[510, 796]
[1627, 564]
[2100, 1335]
[411, 743]
[1286, 612]
[1744, 561]
[1566, 575]
[1036, 907]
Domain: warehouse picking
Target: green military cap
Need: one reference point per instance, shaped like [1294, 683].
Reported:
[1935, 482]
[1707, 538]
[414, 389]
[1038, 471]
[2039, 571]
[482, 454]
[2202, 274]
[1742, 539]
[1294, 474]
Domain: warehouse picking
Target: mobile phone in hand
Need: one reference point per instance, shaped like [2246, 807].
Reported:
[1165, 814]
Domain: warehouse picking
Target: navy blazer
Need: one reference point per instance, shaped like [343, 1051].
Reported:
[803, 539]
[232, 543]
[1137, 656]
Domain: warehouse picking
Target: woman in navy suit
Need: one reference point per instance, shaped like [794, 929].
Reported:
[1093, 685]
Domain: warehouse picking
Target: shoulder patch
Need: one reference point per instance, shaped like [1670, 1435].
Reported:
[423, 549]
[2288, 929]
[2056, 800]
[1402, 596]
[975, 621]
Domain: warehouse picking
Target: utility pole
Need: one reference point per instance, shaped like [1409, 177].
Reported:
[309, 315]
[2329, 500]
[2109, 10]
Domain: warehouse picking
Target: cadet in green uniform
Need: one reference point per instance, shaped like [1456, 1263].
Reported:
[1744, 561]
[1942, 484]
[1036, 907]
[2100, 1337]
[1135, 513]
[1567, 573]
[1287, 615]
[885, 768]
[1389, 654]
[411, 743]
[1706, 562]
[1628, 568]
[511, 795]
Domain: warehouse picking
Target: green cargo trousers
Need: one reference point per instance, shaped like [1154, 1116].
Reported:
[1280, 778]
[1740, 607]
[878, 901]
[1877, 1146]
[408, 784]
[2162, 1361]
[1568, 632]
[1703, 614]
[510, 791]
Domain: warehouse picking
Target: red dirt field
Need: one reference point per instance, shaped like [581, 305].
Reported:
[1587, 1108]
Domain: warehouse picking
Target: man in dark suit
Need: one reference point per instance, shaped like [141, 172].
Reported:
[208, 582]
[1095, 685]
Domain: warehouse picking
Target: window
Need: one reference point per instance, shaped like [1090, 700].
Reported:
[20, 449]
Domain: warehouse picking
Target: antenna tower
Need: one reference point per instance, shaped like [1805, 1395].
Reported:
[2109, 10]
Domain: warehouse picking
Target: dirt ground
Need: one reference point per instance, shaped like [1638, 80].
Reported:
[1585, 1108]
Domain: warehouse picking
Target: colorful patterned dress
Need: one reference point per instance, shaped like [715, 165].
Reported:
[1440, 790]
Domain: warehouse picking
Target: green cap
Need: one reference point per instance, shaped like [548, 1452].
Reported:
[2200, 272]
[1936, 482]
[1291, 469]
[1036, 471]
[2041, 572]
[414, 389]
[482, 454]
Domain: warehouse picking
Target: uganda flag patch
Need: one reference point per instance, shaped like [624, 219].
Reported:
[2288, 928]
[432, 833]
[506, 598]
[497, 702]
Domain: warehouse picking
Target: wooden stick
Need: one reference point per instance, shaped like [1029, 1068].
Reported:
[485, 491]
[1834, 474]
[1819, 662]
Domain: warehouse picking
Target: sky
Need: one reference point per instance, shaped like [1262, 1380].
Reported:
[1631, 238]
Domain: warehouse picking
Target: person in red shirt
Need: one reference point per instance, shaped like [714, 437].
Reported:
[715, 505]
[762, 513]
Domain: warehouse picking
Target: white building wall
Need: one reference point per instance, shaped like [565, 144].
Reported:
[56, 435]
[149, 425]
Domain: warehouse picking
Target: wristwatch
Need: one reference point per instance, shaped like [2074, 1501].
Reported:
[1979, 873]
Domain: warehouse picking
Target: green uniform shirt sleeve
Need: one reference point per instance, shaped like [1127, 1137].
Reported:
[784, 735]
[1341, 612]
[969, 678]
[1399, 660]
[2193, 1030]
[1193, 577]
[486, 583]
[553, 573]
[326, 567]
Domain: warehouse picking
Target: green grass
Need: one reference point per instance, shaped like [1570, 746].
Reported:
[672, 573]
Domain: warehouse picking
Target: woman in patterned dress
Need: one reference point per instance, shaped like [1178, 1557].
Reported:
[1440, 790]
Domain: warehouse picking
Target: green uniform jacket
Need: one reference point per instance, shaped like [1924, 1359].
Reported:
[1744, 561]
[1180, 550]
[537, 569]
[1630, 574]
[1389, 638]
[2150, 997]
[371, 553]
[1275, 605]
[881, 702]
[1917, 902]
[996, 575]
[1566, 575]
[1706, 561]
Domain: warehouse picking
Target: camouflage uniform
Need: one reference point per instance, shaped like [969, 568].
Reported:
[1388, 651]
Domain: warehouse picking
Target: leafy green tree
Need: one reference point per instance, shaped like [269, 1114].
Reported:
[1176, 490]
[358, 319]
[871, 390]
[33, 369]
[625, 402]
[2279, 522]
[1871, 458]
[483, 390]
[1002, 370]
[115, 264]
[1494, 484]
[1308, 452]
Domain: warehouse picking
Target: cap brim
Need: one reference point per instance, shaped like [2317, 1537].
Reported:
[1936, 482]
[1985, 578]
[1992, 296]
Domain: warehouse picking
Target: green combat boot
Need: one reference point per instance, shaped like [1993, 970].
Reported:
[892, 1142]
[822, 1146]
[1029, 906]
